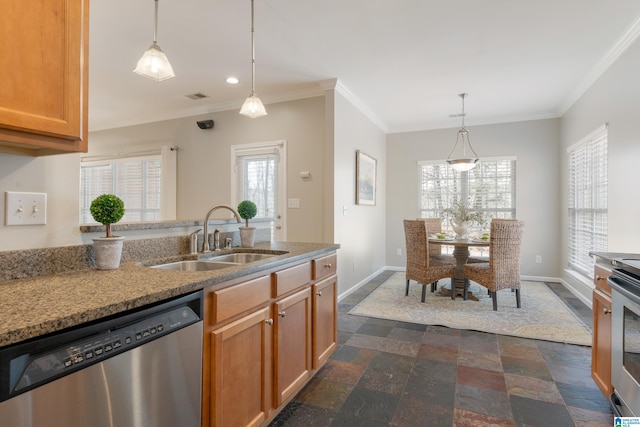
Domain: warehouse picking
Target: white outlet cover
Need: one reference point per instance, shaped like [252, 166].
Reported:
[25, 208]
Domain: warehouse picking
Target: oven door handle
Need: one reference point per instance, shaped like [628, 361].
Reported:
[615, 404]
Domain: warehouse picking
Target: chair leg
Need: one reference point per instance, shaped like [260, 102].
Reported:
[406, 291]
[434, 286]
[466, 289]
[494, 297]
[424, 292]
[517, 297]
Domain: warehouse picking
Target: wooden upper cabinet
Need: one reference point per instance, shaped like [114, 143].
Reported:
[44, 76]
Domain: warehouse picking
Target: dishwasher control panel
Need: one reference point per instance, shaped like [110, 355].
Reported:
[38, 366]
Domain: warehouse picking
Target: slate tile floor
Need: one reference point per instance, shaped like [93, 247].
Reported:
[387, 373]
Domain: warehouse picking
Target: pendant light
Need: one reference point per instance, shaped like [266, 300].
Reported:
[465, 162]
[154, 63]
[252, 106]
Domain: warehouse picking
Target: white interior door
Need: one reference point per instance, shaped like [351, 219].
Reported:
[259, 175]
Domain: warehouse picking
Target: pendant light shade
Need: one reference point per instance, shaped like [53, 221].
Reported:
[460, 160]
[154, 63]
[252, 106]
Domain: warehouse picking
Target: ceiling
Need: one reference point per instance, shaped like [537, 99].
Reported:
[402, 62]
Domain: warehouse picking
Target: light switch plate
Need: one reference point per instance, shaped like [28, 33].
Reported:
[294, 203]
[25, 208]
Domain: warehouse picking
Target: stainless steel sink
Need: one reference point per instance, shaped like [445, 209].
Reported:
[241, 257]
[193, 265]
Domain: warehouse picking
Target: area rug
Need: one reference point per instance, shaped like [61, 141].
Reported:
[543, 315]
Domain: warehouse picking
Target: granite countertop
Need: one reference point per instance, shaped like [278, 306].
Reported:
[40, 305]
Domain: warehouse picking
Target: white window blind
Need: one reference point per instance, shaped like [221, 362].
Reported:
[587, 200]
[145, 183]
[257, 181]
[489, 187]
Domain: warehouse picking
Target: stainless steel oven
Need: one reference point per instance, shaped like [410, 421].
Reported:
[625, 337]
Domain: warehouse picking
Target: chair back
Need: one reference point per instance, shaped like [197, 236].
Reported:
[504, 250]
[417, 252]
[434, 226]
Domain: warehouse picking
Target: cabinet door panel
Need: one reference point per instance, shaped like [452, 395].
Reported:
[324, 320]
[241, 371]
[292, 344]
[44, 104]
[601, 351]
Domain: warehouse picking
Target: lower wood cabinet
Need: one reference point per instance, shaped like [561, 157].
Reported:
[292, 345]
[264, 339]
[325, 320]
[601, 346]
[241, 371]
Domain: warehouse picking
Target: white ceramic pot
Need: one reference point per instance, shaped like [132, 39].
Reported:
[461, 228]
[247, 236]
[107, 252]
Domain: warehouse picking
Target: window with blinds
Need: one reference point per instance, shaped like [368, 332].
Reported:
[136, 180]
[587, 200]
[489, 187]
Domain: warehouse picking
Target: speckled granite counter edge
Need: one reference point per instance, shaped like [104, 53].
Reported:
[36, 306]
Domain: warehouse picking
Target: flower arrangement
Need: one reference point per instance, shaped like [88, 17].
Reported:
[459, 212]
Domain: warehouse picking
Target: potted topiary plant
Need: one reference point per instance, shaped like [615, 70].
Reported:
[247, 210]
[107, 209]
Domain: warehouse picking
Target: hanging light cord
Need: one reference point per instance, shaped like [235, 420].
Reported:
[155, 23]
[253, 56]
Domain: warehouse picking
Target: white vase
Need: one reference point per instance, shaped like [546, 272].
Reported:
[107, 252]
[247, 236]
[461, 228]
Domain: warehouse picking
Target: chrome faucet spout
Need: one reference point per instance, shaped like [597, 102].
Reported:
[205, 245]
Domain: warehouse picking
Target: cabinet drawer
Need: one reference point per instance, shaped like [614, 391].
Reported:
[601, 273]
[239, 298]
[291, 278]
[324, 267]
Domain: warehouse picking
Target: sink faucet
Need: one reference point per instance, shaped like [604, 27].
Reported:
[205, 245]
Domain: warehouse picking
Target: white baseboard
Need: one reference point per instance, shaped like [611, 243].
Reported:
[362, 282]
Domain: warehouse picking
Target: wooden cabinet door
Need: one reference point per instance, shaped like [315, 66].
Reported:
[324, 320]
[601, 351]
[292, 344]
[241, 371]
[43, 67]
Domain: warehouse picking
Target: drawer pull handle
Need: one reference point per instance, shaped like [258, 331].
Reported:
[282, 313]
[327, 265]
[606, 311]
[319, 294]
[598, 277]
[269, 321]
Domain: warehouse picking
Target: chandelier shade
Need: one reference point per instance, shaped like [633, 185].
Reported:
[154, 63]
[461, 158]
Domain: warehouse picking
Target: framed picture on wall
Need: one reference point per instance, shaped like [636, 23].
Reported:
[365, 179]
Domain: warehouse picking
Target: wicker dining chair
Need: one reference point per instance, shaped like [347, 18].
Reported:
[421, 267]
[434, 226]
[503, 269]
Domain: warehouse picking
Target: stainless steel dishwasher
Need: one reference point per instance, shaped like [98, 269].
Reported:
[141, 368]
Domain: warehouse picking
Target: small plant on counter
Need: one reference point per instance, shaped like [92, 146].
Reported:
[107, 209]
[247, 210]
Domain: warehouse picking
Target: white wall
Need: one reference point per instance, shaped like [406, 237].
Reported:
[615, 99]
[535, 146]
[361, 232]
[203, 169]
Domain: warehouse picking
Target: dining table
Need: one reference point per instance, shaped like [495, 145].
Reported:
[461, 254]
